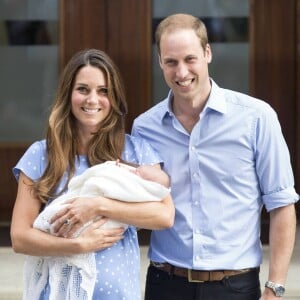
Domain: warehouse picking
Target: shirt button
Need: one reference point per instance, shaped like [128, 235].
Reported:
[197, 257]
[193, 148]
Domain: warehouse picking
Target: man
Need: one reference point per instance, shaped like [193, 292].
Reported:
[226, 157]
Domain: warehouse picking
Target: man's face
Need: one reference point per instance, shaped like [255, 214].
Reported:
[184, 63]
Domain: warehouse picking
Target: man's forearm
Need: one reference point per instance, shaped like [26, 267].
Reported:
[282, 240]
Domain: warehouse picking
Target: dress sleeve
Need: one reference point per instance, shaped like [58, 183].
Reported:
[33, 162]
[138, 150]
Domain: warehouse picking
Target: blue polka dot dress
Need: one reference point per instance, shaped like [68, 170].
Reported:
[118, 267]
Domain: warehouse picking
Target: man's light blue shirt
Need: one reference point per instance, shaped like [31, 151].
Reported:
[233, 162]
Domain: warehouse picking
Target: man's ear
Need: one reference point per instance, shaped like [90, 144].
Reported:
[208, 53]
[159, 60]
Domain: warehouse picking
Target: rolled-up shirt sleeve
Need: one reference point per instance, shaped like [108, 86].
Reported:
[273, 164]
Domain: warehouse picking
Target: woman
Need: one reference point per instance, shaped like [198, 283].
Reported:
[86, 127]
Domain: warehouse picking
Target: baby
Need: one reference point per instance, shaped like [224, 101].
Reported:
[111, 179]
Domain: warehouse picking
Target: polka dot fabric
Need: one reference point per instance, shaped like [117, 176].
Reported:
[118, 270]
[118, 267]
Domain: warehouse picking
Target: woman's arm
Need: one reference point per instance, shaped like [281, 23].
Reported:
[154, 215]
[28, 240]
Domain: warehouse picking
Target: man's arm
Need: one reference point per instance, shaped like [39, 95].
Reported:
[281, 242]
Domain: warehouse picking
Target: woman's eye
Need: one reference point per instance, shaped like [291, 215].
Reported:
[103, 91]
[82, 89]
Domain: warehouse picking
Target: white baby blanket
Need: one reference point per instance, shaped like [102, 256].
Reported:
[73, 277]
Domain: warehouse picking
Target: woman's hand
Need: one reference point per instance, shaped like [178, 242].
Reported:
[93, 238]
[74, 216]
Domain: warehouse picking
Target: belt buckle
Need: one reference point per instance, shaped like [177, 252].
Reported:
[157, 264]
[190, 277]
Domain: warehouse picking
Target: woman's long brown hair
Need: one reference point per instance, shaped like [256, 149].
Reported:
[107, 142]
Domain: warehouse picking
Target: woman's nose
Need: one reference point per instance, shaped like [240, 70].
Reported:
[92, 97]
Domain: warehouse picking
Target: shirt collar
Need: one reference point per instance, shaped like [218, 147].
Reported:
[216, 101]
[166, 106]
[169, 103]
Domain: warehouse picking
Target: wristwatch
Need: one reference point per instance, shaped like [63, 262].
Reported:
[277, 288]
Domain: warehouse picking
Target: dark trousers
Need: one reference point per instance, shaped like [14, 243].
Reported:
[163, 286]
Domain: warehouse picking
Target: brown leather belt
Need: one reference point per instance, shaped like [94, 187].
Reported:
[196, 275]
